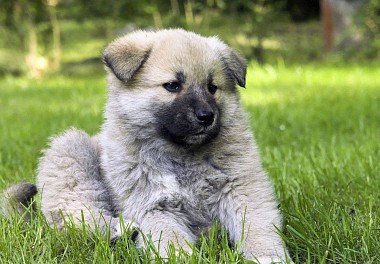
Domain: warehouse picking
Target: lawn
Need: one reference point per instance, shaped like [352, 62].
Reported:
[317, 127]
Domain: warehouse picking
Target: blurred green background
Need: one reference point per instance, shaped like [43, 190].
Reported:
[66, 36]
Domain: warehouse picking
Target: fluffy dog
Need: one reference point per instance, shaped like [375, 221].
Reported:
[174, 154]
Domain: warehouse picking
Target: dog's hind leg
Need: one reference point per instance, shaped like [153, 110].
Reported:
[18, 199]
[71, 184]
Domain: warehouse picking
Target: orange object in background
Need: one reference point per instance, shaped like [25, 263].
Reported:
[328, 26]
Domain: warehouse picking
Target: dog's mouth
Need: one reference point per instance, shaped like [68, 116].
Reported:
[201, 132]
[201, 136]
[186, 129]
[193, 138]
[196, 139]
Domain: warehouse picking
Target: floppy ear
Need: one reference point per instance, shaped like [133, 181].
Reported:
[126, 55]
[234, 63]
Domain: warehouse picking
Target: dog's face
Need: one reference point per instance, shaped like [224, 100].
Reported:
[173, 84]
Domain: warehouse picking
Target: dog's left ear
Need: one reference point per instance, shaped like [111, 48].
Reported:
[126, 55]
[234, 63]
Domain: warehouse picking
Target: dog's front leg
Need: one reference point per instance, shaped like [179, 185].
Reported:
[165, 228]
[249, 213]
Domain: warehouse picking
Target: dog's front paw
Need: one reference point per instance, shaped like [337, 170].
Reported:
[128, 227]
[163, 244]
[272, 259]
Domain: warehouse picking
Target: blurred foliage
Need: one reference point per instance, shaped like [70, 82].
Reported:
[370, 28]
[52, 35]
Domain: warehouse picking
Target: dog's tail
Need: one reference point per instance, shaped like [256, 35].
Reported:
[18, 199]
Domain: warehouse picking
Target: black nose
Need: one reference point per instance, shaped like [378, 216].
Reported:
[205, 117]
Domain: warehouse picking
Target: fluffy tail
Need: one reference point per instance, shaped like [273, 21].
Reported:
[18, 199]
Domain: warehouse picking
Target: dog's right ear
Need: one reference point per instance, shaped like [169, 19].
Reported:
[126, 55]
[235, 64]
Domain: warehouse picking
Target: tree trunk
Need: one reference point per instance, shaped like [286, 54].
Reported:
[56, 32]
[327, 22]
[258, 50]
[189, 15]
[32, 44]
[157, 17]
[175, 7]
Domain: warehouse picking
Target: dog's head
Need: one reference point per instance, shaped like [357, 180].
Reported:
[172, 83]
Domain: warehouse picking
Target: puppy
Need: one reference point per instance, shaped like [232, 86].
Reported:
[175, 152]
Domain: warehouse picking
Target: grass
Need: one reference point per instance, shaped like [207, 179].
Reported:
[318, 130]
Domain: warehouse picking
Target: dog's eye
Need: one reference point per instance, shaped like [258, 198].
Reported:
[173, 87]
[212, 88]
